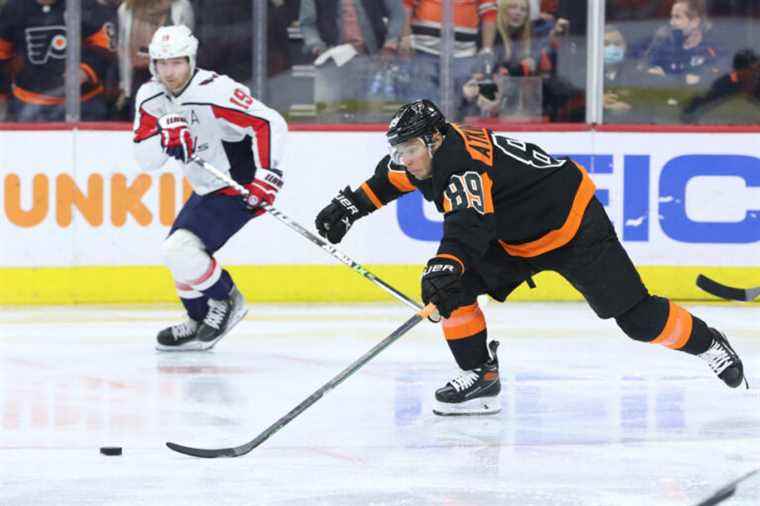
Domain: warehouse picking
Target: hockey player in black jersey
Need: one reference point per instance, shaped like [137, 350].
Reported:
[33, 42]
[511, 211]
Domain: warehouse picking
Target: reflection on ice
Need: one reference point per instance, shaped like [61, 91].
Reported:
[588, 417]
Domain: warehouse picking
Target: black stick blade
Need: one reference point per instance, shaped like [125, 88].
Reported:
[726, 292]
[206, 453]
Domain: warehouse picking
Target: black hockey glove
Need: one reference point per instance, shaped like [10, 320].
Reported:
[442, 285]
[337, 217]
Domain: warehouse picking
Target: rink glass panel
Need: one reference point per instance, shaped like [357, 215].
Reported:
[677, 64]
[261, 45]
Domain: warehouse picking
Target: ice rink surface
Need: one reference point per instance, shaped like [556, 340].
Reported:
[588, 417]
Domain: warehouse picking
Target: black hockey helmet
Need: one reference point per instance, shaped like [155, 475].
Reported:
[420, 118]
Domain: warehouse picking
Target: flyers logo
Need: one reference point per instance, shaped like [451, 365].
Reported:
[46, 42]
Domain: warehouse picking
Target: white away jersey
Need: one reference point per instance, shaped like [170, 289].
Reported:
[231, 130]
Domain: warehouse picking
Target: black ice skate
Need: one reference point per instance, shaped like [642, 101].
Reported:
[724, 361]
[473, 392]
[221, 317]
[178, 337]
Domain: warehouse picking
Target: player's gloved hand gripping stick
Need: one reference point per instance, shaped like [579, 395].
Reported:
[266, 206]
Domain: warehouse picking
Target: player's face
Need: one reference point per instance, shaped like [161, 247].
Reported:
[413, 154]
[173, 72]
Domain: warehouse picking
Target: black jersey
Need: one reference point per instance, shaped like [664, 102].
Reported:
[493, 189]
[33, 49]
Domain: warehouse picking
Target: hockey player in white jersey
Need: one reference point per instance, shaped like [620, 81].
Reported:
[183, 111]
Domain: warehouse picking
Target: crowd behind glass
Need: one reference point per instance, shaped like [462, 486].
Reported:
[356, 61]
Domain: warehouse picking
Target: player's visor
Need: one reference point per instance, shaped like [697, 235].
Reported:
[402, 153]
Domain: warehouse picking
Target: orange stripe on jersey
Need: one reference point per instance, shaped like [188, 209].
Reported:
[677, 329]
[91, 75]
[31, 97]
[467, 13]
[487, 197]
[446, 204]
[400, 180]
[101, 38]
[563, 235]
[464, 322]
[6, 49]
[477, 142]
[371, 195]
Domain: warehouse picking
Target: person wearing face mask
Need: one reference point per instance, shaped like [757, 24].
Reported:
[616, 96]
[683, 50]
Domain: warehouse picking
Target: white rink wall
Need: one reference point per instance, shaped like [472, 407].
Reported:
[676, 199]
[76, 199]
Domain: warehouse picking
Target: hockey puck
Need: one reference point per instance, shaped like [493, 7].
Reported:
[110, 450]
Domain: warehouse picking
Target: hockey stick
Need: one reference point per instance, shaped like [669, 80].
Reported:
[237, 451]
[727, 491]
[727, 292]
[355, 266]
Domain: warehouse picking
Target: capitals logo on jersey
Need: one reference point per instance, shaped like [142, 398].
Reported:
[46, 42]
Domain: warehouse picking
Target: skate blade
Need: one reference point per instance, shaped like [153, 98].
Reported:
[188, 346]
[479, 406]
[234, 320]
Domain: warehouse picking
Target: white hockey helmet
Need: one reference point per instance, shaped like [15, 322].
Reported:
[172, 42]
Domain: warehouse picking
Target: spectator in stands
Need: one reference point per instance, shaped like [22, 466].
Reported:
[226, 42]
[342, 35]
[138, 21]
[282, 17]
[110, 79]
[683, 50]
[616, 67]
[564, 91]
[33, 58]
[424, 27]
[744, 80]
[522, 50]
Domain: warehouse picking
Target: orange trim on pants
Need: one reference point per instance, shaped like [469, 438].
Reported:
[464, 322]
[677, 329]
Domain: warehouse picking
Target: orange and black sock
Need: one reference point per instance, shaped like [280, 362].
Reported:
[465, 332]
[661, 321]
